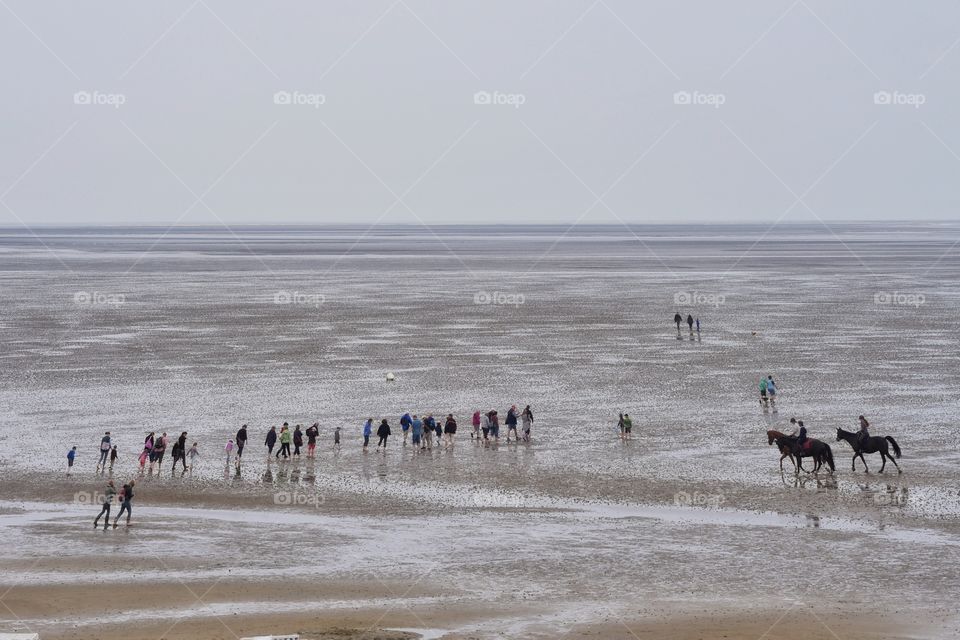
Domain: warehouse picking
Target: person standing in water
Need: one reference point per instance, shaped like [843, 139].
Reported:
[627, 427]
[771, 390]
[485, 426]
[312, 432]
[416, 429]
[159, 448]
[241, 441]
[336, 438]
[677, 319]
[71, 455]
[109, 493]
[126, 496]
[297, 440]
[698, 325]
[763, 392]
[405, 422]
[449, 430]
[620, 426]
[367, 432]
[113, 456]
[475, 421]
[104, 450]
[690, 322]
[383, 431]
[228, 450]
[271, 441]
[526, 417]
[182, 446]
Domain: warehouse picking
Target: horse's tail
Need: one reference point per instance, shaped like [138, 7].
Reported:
[829, 457]
[896, 447]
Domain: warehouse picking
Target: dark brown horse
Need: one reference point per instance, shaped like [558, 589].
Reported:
[786, 449]
[818, 450]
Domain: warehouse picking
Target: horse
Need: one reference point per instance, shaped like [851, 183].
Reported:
[873, 444]
[818, 450]
[785, 448]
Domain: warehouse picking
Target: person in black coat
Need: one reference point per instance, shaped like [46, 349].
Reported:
[241, 440]
[271, 440]
[383, 431]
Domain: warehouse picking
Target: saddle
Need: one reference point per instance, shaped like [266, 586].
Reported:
[807, 444]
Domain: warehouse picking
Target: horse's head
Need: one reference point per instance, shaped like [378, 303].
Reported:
[772, 436]
[839, 434]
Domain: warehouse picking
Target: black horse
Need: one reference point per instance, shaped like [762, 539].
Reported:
[817, 449]
[873, 444]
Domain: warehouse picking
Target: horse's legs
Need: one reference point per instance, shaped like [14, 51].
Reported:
[883, 460]
[853, 463]
[866, 469]
[782, 456]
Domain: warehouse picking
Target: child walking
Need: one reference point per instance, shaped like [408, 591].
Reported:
[193, 453]
[70, 457]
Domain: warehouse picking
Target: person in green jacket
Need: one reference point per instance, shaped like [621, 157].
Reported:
[763, 392]
[285, 438]
[627, 426]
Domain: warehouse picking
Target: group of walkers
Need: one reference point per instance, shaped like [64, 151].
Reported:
[420, 431]
[124, 498]
[678, 320]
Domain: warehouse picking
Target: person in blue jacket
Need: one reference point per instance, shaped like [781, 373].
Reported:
[405, 422]
[416, 428]
[367, 432]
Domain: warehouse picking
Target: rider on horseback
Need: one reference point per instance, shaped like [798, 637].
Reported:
[801, 433]
[864, 433]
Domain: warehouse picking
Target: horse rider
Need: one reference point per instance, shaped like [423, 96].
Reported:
[864, 432]
[801, 433]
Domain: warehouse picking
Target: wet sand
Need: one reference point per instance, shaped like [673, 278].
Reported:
[688, 531]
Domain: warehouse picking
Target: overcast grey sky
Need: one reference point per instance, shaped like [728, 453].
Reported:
[599, 111]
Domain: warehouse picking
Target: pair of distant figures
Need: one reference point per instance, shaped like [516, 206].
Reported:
[678, 319]
[768, 392]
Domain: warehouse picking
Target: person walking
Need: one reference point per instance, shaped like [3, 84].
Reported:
[485, 426]
[772, 390]
[271, 440]
[147, 453]
[677, 318]
[228, 450]
[526, 418]
[475, 421]
[312, 432]
[285, 439]
[511, 423]
[383, 431]
[698, 325]
[763, 392]
[109, 493]
[627, 426]
[495, 425]
[71, 456]
[297, 440]
[113, 456]
[620, 426]
[181, 446]
[449, 430]
[126, 496]
[336, 438]
[405, 422]
[367, 432]
[241, 440]
[416, 431]
[193, 453]
[690, 322]
[104, 450]
[159, 448]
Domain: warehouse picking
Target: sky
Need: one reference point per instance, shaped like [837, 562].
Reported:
[207, 112]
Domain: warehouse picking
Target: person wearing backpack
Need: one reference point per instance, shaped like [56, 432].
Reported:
[475, 422]
[527, 418]
[126, 495]
[405, 423]
[104, 450]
